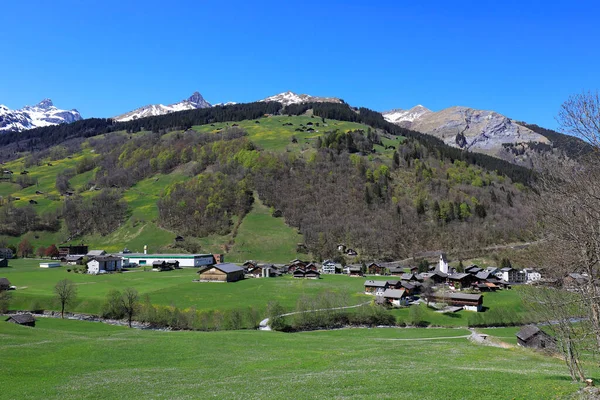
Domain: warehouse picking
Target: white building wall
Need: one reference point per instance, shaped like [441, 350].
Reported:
[93, 267]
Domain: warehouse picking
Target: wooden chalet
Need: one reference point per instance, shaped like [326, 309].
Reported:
[221, 273]
[376, 269]
[396, 271]
[436, 277]
[462, 280]
[302, 273]
[394, 297]
[533, 337]
[354, 270]
[394, 284]
[22, 319]
[375, 287]
[471, 302]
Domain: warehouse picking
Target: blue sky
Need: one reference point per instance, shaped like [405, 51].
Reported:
[522, 59]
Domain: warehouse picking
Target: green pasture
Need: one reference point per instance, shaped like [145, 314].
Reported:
[84, 360]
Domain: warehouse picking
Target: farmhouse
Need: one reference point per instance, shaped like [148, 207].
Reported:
[4, 284]
[470, 302]
[221, 273]
[185, 260]
[376, 269]
[376, 287]
[22, 319]
[103, 264]
[534, 337]
[394, 296]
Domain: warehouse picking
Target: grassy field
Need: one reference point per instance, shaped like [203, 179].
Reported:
[82, 360]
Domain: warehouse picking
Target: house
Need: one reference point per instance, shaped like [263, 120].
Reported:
[64, 251]
[410, 288]
[375, 287]
[376, 269]
[179, 238]
[4, 284]
[394, 297]
[306, 274]
[353, 270]
[96, 253]
[396, 271]
[436, 276]
[473, 270]
[461, 280]
[351, 252]
[533, 337]
[443, 263]
[103, 264]
[531, 275]
[341, 248]
[394, 284]
[295, 264]
[226, 272]
[409, 277]
[3, 262]
[485, 287]
[311, 267]
[470, 302]
[73, 259]
[414, 270]
[510, 274]
[328, 267]
[22, 319]
[262, 271]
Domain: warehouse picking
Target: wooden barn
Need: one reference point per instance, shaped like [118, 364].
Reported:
[22, 319]
[470, 302]
[221, 273]
[534, 337]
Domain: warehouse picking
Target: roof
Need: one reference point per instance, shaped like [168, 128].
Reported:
[227, 268]
[74, 257]
[164, 256]
[107, 258]
[507, 269]
[158, 262]
[458, 277]
[4, 282]
[96, 253]
[407, 286]
[465, 296]
[393, 282]
[376, 283]
[407, 277]
[482, 275]
[527, 332]
[394, 293]
[21, 318]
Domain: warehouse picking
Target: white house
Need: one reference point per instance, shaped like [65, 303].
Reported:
[443, 264]
[185, 260]
[102, 264]
[328, 267]
[394, 296]
[376, 288]
[531, 275]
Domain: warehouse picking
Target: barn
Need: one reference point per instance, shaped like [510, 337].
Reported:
[534, 337]
[185, 260]
[221, 273]
[22, 319]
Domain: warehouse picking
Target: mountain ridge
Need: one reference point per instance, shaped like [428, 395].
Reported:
[195, 101]
[42, 114]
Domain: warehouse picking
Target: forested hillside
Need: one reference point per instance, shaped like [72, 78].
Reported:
[334, 174]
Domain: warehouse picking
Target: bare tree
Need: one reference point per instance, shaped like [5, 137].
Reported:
[130, 303]
[580, 116]
[65, 292]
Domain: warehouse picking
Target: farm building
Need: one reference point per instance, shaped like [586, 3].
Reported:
[22, 319]
[353, 270]
[394, 297]
[306, 274]
[534, 337]
[104, 264]
[73, 259]
[49, 264]
[185, 260]
[4, 284]
[263, 271]
[470, 302]
[221, 273]
[3, 262]
[376, 269]
[64, 251]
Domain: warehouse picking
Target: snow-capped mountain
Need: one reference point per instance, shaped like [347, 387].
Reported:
[42, 114]
[400, 115]
[194, 101]
[287, 98]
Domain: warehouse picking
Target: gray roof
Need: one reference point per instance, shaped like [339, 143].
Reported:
[96, 253]
[228, 268]
[74, 257]
[407, 285]
[457, 277]
[506, 269]
[527, 332]
[465, 296]
[22, 318]
[407, 277]
[393, 293]
[107, 258]
[376, 283]
[482, 275]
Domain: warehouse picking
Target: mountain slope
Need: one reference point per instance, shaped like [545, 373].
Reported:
[193, 102]
[399, 115]
[42, 114]
[287, 98]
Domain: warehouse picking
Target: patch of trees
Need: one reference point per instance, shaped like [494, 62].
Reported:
[205, 204]
[15, 221]
[102, 213]
[572, 146]
[351, 142]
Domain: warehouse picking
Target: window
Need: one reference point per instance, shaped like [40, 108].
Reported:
[142, 262]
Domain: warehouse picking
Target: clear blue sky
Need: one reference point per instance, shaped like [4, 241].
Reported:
[522, 59]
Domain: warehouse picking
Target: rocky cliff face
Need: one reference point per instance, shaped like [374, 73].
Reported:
[42, 114]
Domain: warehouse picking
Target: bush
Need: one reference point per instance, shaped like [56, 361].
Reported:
[5, 298]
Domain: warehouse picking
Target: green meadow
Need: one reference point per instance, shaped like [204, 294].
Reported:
[63, 359]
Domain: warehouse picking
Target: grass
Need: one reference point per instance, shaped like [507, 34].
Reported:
[84, 360]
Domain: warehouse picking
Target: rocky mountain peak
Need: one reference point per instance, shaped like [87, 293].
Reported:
[45, 104]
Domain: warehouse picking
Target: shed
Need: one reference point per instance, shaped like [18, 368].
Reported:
[534, 337]
[226, 272]
[22, 319]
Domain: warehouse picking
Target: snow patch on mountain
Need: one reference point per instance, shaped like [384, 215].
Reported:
[287, 98]
[42, 114]
[194, 101]
[399, 115]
